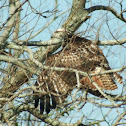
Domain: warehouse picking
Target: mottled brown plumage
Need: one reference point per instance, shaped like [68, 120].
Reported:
[80, 54]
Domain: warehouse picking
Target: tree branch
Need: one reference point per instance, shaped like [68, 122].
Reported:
[119, 119]
[113, 42]
[55, 42]
[51, 42]
[10, 21]
[36, 113]
[112, 10]
[77, 16]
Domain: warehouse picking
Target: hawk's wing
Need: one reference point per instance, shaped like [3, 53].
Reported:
[80, 55]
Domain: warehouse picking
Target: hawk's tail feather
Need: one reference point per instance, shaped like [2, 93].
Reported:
[45, 103]
[42, 104]
[36, 98]
[53, 102]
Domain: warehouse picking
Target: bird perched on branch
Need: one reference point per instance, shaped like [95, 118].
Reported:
[80, 54]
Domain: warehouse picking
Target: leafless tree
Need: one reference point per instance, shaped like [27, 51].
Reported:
[24, 25]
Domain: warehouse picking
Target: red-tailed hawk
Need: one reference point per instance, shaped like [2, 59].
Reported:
[80, 54]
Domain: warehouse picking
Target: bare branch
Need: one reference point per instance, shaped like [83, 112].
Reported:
[101, 7]
[54, 41]
[77, 16]
[36, 113]
[119, 119]
[17, 21]
[10, 21]
[113, 42]
[19, 63]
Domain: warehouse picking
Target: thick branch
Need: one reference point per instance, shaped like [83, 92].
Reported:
[77, 16]
[55, 42]
[113, 42]
[112, 10]
[19, 63]
[10, 21]
[50, 42]
[5, 34]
